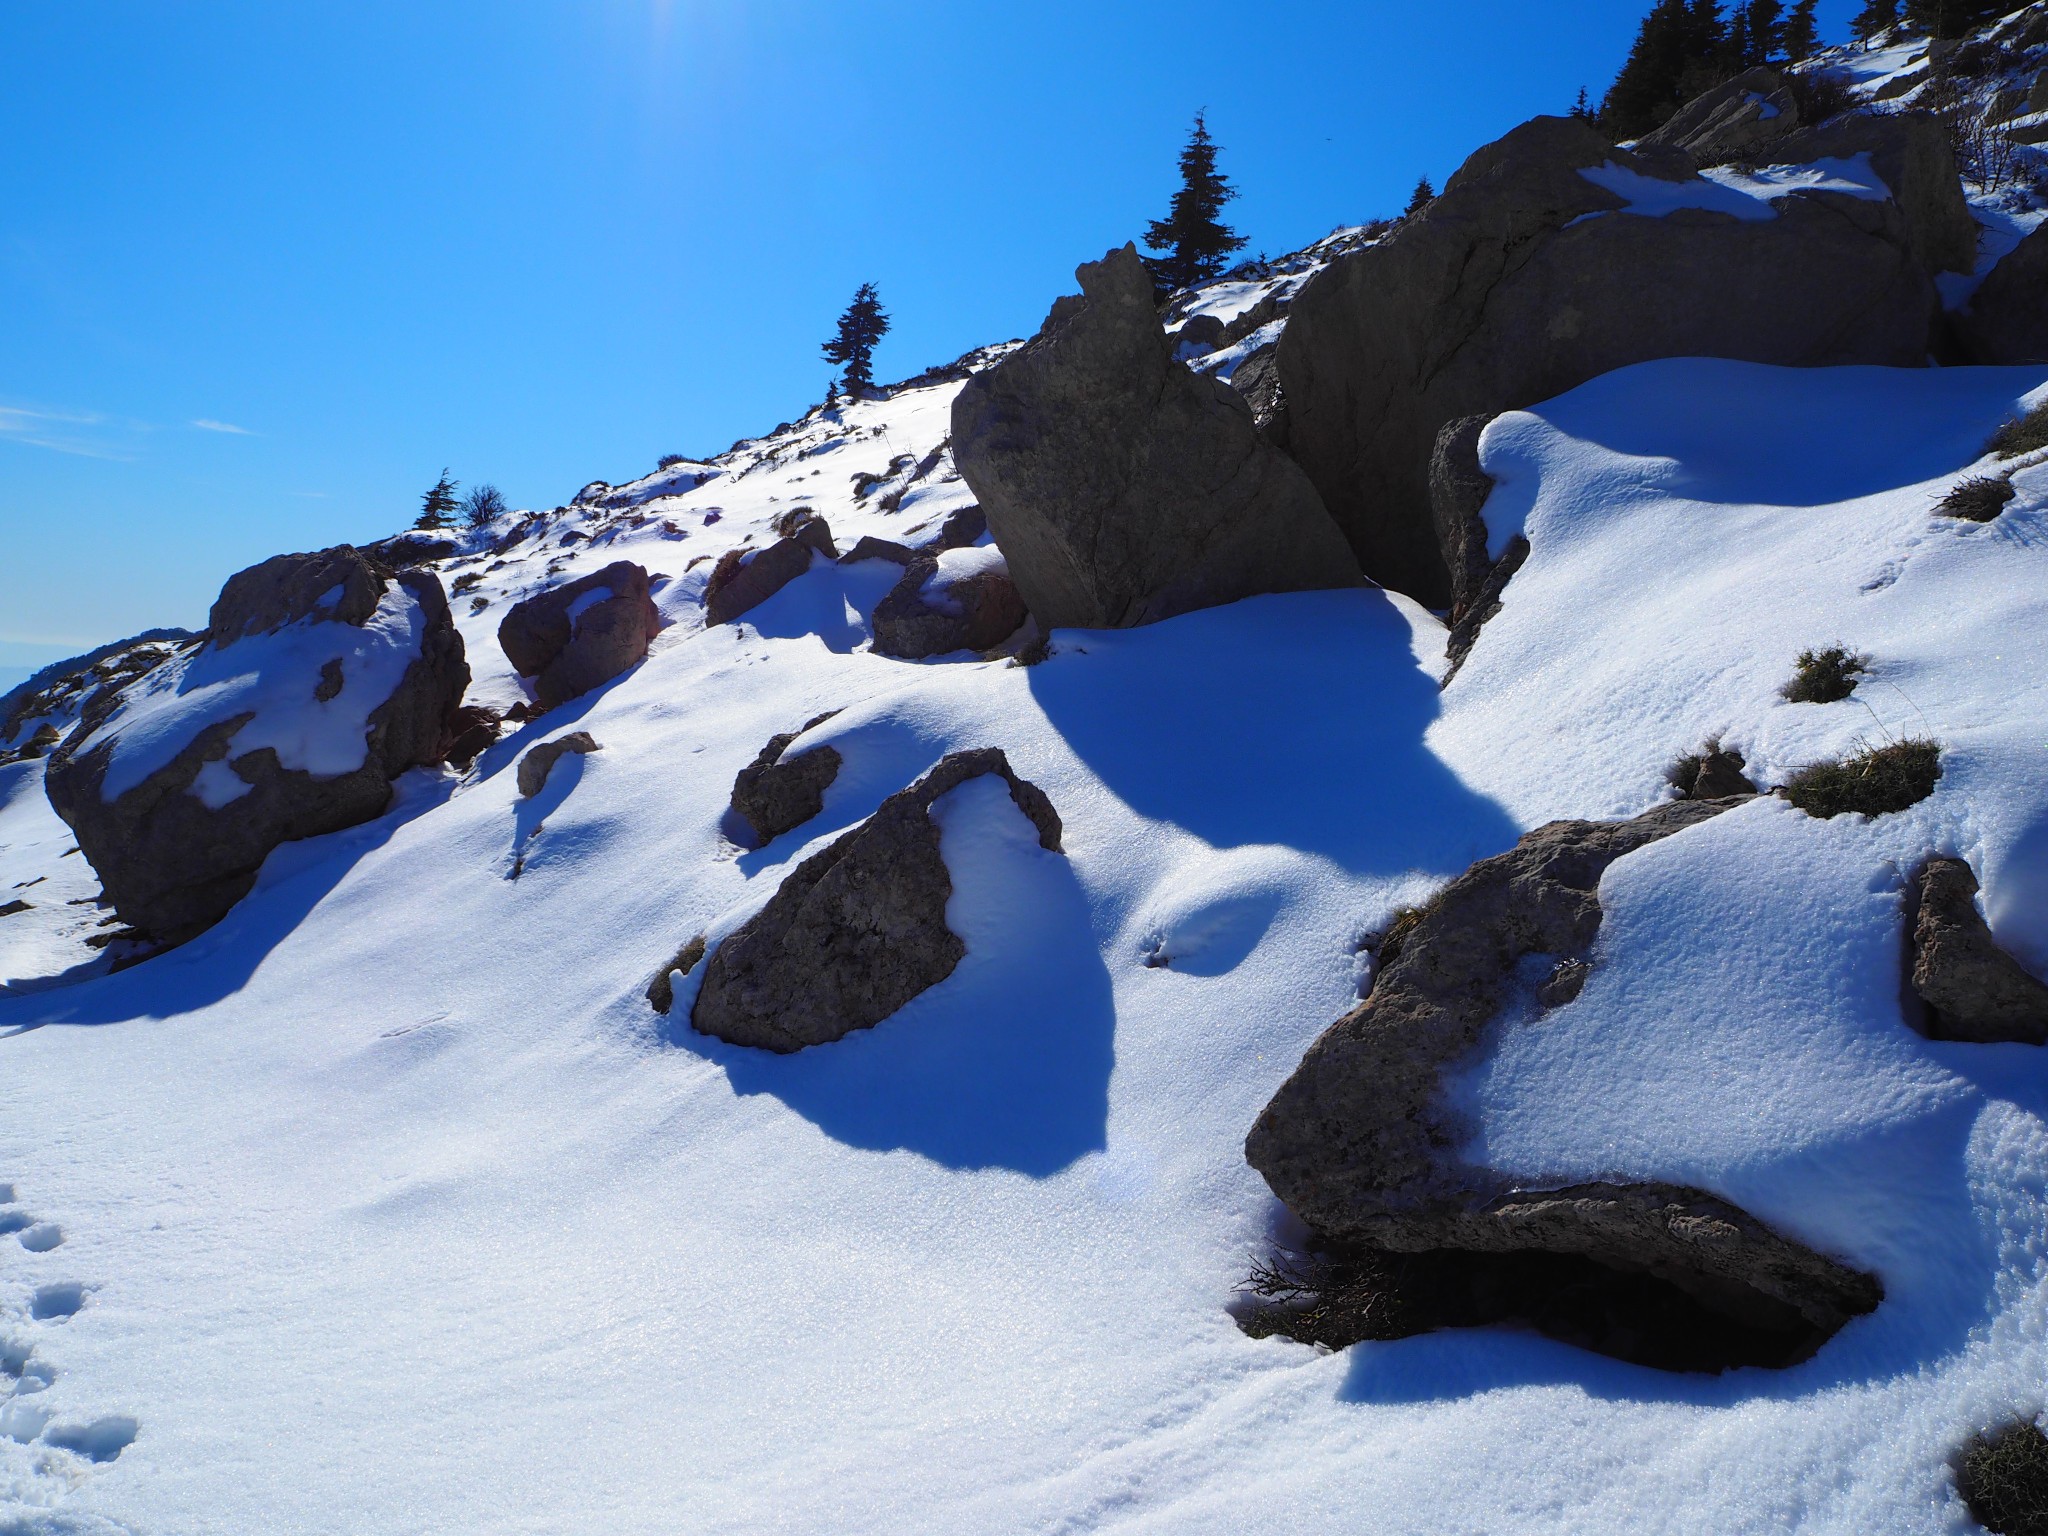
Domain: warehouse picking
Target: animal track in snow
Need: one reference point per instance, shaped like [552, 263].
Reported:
[52, 1302]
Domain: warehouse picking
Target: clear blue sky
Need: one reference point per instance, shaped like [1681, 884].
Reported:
[265, 268]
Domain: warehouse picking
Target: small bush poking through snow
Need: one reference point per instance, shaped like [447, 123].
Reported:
[2003, 1477]
[1874, 782]
[2022, 435]
[1978, 499]
[1824, 677]
[1711, 773]
[1316, 1299]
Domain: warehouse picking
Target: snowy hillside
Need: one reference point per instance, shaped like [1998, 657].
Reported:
[392, 1202]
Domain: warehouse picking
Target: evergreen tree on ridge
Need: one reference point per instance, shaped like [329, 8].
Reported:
[1195, 241]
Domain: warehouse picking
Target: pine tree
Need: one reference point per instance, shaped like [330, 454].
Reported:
[1875, 17]
[1582, 109]
[852, 346]
[1680, 50]
[1766, 23]
[1194, 240]
[1421, 198]
[1951, 18]
[437, 507]
[1802, 32]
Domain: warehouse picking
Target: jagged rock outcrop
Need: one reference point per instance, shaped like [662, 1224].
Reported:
[2007, 318]
[1358, 1141]
[777, 792]
[1121, 487]
[473, 728]
[322, 678]
[540, 761]
[1972, 989]
[581, 634]
[1525, 278]
[1740, 117]
[939, 606]
[746, 578]
[1458, 489]
[856, 930]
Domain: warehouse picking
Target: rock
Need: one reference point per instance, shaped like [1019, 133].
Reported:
[774, 793]
[2007, 319]
[872, 548]
[1567, 979]
[1738, 118]
[583, 633]
[1912, 155]
[743, 578]
[540, 761]
[1257, 378]
[1121, 487]
[1973, 989]
[1712, 773]
[474, 727]
[1524, 279]
[963, 526]
[407, 550]
[967, 604]
[1458, 489]
[661, 991]
[1200, 335]
[1360, 1141]
[39, 743]
[856, 930]
[261, 759]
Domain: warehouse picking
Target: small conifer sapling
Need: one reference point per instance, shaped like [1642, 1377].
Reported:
[852, 347]
[1423, 196]
[438, 506]
[1194, 240]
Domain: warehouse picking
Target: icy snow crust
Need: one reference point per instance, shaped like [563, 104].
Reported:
[1742, 195]
[388, 1205]
[266, 675]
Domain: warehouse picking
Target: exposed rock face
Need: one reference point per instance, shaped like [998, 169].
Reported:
[1356, 1141]
[1738, 118]
[1526, 279]
[776, 793]
[926, 614]
[743, 579]
[540, 761]
[1124, 489]
[1973, 989]
[1257, 378]
[872, 548]
[1911, 154]
[858, 929]
[406, 550]
[474, 727]
[571, 638]
[2007, 321]
[1458, 489]
[178, 848]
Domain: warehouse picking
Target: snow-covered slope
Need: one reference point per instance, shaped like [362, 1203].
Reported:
[388, 1204]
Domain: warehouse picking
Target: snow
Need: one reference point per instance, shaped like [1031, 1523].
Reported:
[388, 1204]
[957, 565]
[1742, 195]
[265, 677]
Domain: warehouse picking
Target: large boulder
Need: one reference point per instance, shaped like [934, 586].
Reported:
[856, 930]
[571, 638]
[960, 600]
[746, 578]
[780, 790]
[1360, 1142]
[1737, 118]
[1972, 989]
[2007, 317]
[322, 677]
[1527, 277]
[1123, 488]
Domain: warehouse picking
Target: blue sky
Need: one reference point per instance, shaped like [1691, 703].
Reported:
[267, 268]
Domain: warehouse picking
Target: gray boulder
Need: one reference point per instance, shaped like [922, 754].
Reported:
[1972, 989]
[777, 792]
[1123, 488]
[1458, 489]
[746, 578]
[574, 637]
[1525, 279]
[1738, 118]
[925, 614]
[856, 930]
[1358, 1141]
[175, 850]
[540, 761]
[872, 548]
[2007, 318]
[1912, 155]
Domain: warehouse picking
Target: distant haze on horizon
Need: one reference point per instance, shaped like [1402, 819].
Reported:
[268, 269]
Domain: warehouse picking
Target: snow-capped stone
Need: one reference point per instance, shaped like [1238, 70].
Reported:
[1122, 488]
[179, 784]
[746, 578]
[960, 600]
[1527, 277]
[1973, 989]
[576, 636]
[778, 792]
[857, 930]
